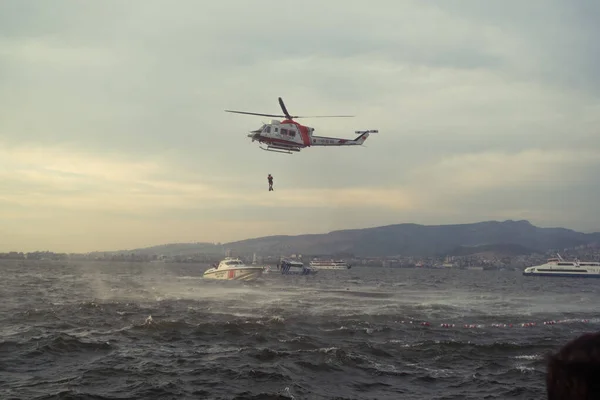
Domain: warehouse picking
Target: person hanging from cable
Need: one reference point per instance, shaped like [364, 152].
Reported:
[270, 179]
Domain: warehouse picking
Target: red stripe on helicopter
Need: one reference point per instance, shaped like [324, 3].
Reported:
[304, 134]
[303, 131]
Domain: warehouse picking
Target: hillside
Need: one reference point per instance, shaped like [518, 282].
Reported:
[491, 250]
[403, 239]
[418, 240]
[173, 249]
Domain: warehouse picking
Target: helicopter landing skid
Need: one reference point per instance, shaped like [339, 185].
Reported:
[283, 150]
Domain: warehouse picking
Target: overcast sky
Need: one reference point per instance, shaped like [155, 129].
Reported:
[113, 133]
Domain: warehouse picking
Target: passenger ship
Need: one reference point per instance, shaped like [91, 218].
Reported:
[561, 268]
[329, 264]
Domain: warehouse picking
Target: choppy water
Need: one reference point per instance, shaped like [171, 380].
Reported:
[158, 331]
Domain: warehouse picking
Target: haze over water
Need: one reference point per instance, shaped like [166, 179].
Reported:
[108, 331]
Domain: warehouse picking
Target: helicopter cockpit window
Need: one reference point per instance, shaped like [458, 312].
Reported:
[268, 129]
[284, 131]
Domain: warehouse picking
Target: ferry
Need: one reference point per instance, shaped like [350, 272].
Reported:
[329, 264]
[295, 268]
[561, 268]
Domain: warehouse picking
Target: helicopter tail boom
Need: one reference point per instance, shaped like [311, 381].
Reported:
[329, 141]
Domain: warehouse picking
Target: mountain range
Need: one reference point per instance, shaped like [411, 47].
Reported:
[515, 237]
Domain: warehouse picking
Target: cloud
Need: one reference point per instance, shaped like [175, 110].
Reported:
[485, 171]
[112, 122]
[87, 197]
[57, 178]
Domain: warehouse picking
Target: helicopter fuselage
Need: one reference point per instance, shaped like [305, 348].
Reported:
[286, 133]
[290, 135]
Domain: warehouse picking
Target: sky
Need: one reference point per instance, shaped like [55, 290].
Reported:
[113, 133]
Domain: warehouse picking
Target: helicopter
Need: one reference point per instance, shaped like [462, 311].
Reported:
[289, 136]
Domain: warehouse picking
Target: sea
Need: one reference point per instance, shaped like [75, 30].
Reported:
[94, 330]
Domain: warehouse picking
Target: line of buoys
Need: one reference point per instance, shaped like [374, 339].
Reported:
[496, 325]
[502, 325]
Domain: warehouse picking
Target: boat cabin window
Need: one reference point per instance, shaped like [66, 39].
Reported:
[233, 263]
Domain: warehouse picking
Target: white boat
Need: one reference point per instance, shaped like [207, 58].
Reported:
[233, 269]
[295, 268]
[561, 268]
[329, 264]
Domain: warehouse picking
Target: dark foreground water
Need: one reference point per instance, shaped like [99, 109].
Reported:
[158, 331]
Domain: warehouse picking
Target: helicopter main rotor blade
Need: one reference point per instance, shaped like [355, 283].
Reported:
[324, 116]
[251, 113]
[285, 111]
[287, 114]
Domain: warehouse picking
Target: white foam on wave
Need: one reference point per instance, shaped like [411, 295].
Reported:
[433, 372]
[524, 369]
[529, 357]
[288, 393]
